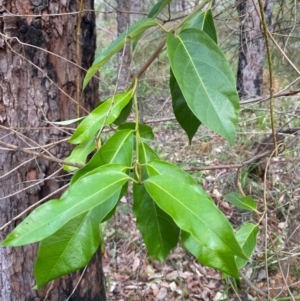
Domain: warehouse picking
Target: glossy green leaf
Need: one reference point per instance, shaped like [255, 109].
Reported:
[79, 154]
[158, 7]
[220, 261]
[159, 232]
[203, 21]
[104, 114]
[185, 117]
[71, 247]
[145, 131]
[194, 212]
[117, 149]
[124, 114]
[246, 237]
[146, 153]
[205, 79]
[243, 202]
[159, 167]
[133, 31]
[85, 194]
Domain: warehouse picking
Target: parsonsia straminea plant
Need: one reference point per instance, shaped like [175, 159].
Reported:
[169, 204]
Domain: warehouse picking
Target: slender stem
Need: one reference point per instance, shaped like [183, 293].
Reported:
[137, 138]
[39, 155]
[266, 35]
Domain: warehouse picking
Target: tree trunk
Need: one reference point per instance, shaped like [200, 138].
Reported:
[252, 47]
[37, 86]
[124, 57]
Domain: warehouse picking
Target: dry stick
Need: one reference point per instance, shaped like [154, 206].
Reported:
[277, 95]
[28, 187]
[33, 206]
[23, 138]
[44, 50]
[10, 14]
[81, 276]
[39, 155]
[251, 285]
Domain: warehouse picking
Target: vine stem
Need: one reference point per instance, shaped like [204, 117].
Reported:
[271, 88]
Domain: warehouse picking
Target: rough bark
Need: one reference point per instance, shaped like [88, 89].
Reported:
[124, 58]
[252, 46]
[34, 86]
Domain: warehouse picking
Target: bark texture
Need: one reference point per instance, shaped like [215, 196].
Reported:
[36, 86]
[252, 47]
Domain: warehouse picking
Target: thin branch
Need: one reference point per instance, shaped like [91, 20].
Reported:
[39, 155]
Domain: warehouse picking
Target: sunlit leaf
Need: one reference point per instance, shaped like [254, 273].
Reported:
[104, 114]
[246, 237]
[243, 202]
[145, 131]
[117, 149]
[85, 194]
[79, 154]
[124, 114]
[205, 79]
[220, 261]
[71, 247]
[158, 7]
[129, 34]
[195, 213]
[203, 21]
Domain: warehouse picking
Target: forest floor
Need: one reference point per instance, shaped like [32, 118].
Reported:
[274, 267]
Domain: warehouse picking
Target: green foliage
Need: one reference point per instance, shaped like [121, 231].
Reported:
[158, 7]
[168, 203]
[243, 202]
[133, 31]
[206, 81]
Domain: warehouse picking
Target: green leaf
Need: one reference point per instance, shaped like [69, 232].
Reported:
[243, 202]
[159, 167]
[159, 232]
[205, 79]
[194, 212]
[246, 237]
[71, 247]
[145, 131]
[117, 149]
[146, 153]
[124, 113]
[79, 154]
[104, 114]
[203, 21]
[158, 7]
[185, 117]
[85, 194]
[133, 31]
[208, 257]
